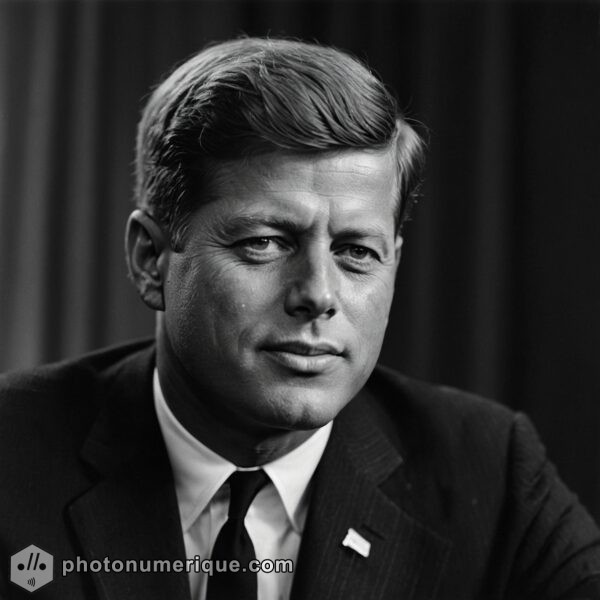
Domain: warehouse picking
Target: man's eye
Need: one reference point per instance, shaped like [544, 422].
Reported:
[360, 253]
[260, 248]
[258, 243]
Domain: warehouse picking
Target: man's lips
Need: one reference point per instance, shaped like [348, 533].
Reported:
[303, 357]
[304, 348]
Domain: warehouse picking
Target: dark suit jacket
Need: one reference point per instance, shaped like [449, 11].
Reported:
[454, 493]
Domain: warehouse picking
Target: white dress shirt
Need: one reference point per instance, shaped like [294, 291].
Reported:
[276, 517]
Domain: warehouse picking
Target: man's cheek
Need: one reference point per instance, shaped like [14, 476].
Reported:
[248, 294]
[369, 307]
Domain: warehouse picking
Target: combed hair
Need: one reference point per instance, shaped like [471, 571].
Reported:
[253, 96]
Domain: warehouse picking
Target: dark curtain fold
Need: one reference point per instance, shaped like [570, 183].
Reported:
[500, 285]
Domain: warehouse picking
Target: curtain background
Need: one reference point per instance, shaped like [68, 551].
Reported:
[499, 288]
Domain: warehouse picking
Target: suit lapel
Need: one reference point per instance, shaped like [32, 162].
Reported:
[131, 511]
[406, 559]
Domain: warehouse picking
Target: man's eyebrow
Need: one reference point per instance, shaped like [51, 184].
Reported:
[363, 231]
[243, 223]
[366, 232]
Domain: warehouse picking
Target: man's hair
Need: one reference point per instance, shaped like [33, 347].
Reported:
[254, 96]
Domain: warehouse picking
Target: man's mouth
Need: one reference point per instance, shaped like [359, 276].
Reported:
[304, 357]
[305, 348]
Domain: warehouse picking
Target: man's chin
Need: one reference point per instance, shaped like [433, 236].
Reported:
[302, 411]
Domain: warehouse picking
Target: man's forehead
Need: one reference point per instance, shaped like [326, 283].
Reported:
[331, 173]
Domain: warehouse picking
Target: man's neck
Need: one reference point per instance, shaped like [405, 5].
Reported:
[245, 444]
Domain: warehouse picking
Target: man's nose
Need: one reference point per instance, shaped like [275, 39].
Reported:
[314, 286]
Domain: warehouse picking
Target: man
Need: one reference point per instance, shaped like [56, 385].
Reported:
[273, 180]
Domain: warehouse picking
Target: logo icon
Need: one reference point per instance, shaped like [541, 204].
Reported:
[31, 568]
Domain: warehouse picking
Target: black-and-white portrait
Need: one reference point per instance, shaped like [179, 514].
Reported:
[299, 299]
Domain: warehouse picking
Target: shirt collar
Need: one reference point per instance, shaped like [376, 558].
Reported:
[292, 472]
[199, 472]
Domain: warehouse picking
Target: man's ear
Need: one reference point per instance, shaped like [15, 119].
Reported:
[145, 247]
[398, 249]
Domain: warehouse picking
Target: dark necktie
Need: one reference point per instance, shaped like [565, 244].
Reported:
[234, 543]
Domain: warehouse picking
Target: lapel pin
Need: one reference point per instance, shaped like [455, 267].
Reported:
[357, 542]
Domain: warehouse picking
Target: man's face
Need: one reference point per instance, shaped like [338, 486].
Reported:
[277, 306]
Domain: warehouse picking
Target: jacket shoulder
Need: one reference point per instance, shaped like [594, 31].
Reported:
[440, 417]
[52, 397]
[66, 374]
